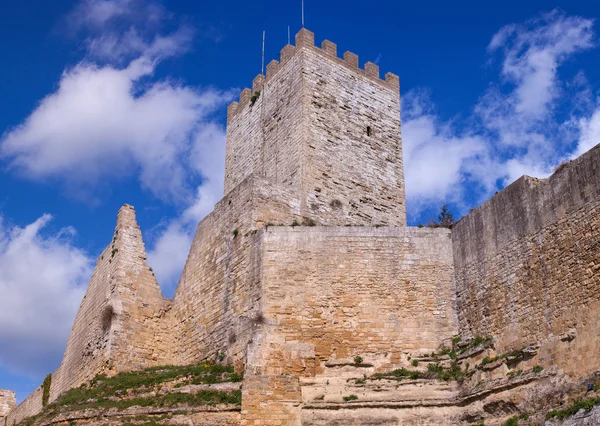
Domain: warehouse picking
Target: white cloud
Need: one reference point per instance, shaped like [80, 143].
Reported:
[97, 14]
[436, 157]
[103, 124]
[589, 128]
[515, 128]
[170, 251]
[42, 281]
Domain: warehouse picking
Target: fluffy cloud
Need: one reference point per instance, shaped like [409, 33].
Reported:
[436, 156]
[42, 281]
[516, 127]
[101, 125]
[93, 15]
[590, 133]
[171, 248]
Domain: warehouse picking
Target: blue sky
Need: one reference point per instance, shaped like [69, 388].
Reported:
[104, 102]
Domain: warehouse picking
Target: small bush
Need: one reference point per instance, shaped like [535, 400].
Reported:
[415, 363]
[235, 233]
[254, 97]
[537, 369]
[435, 368]
[295, 223]
[513, 421]
[586, 404]
[350, 398]
[46, 389]
[358, 360]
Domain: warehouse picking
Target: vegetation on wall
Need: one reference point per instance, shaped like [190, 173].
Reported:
[46, 389]
[145, 389]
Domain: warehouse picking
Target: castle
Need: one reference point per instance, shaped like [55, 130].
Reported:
[305, 275]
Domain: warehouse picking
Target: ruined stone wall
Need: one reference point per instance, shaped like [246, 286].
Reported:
[29, 407]
[219, 293]
[528, 270]
[118, 326]
[333, 293]
[8, 402]
[325, 129]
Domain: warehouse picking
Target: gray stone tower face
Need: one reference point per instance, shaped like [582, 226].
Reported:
[326, 130]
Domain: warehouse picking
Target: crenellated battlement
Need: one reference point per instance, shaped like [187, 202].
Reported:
[306, 39]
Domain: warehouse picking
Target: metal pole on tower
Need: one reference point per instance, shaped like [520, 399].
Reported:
[289, 34]
[302, 13]
[263, 55]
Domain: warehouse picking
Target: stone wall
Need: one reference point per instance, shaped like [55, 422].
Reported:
[527, 266]
[30, 406]
[333, 293]
[8, 402]
[219, 293]
[118, 326]
[121, 322]
[326, 130]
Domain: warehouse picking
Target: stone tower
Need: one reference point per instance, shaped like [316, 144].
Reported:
[326, 130]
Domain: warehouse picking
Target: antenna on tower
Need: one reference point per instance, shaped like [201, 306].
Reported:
[302, 13]
[288, 34]
[262, 70]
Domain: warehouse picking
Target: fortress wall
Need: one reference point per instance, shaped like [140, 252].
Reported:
[141, 335]
[30, 406]
[118, 325]
[351, 177]
[333, 293]
[283, 125]
[265, 138]
[244, 148]
[219, 293]
[527, 266]
[307, 131]
[87, 350]
[8, 402]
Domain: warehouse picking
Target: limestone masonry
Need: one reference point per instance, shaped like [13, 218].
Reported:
[307, 280]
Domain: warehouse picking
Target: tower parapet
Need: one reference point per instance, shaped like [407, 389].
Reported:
[306, 38]
[326, 129]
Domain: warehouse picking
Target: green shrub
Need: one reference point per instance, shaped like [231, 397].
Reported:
[46, 389]
[350, 398]
[358, 360]
[586, 404]
[254, 97]
[513, 421]
[415, 363]
[537, 369]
